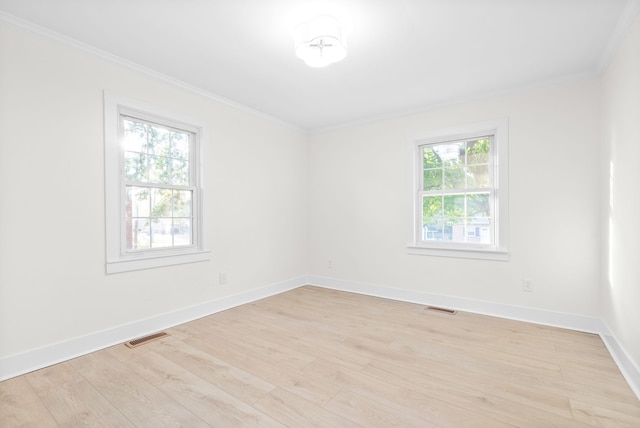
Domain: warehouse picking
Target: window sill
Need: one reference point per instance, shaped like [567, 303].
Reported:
[139, 263]
[482, 254]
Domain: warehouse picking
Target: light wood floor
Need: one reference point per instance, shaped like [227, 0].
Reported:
[323, 358]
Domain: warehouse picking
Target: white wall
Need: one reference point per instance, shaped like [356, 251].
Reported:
[359, 207]
[621, 141]
[52, 246]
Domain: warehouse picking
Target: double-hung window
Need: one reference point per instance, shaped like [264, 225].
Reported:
[459, 192]
[154, 195]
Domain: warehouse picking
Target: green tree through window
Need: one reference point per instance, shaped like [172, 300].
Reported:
[456, 194]
[158, 185]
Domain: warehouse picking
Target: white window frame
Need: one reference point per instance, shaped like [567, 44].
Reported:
[498, 162]
[118, 259]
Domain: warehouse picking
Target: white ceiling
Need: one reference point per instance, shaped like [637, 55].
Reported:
[404, 55]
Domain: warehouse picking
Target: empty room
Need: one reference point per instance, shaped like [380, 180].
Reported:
[290, 213]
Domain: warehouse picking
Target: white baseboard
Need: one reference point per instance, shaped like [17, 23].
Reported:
[538, 316]
[629, 370]
[25, 362]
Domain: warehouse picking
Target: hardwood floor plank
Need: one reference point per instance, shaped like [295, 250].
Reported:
[142, 403]
[294, 411]
[477, 398]
[402, 398]
[611, 381]
[239, 383]
[312, 342]
[54, 376]
[309, 387]
[371, 413]
[600, 417]
[20, 406]
[274, 352]
[79, 404]
[213, 405]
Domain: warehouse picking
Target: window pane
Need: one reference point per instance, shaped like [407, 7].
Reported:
[158, 218]
[479, 230]
[432, 224]
[454, 205]
[180, 146]
[432, 229]
[138, 201]
[462, 218]
[451, 154]
[181, 231]
[140, 237]
[137, 210]
[454, 211]
[161, 236]
[457, 225]
[179, 172]
[158, 140]
[136, 167]
[478, 151]
[135, 136]
[478, 205]
[454, 178]
[478, 176]
[432, 179]
[159, 169]
[160, 202]
[431, 159]
[431, 206]
[182, 203]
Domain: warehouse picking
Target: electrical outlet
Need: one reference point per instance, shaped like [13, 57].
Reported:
[330, 264]
[223, 278]
[527, 285]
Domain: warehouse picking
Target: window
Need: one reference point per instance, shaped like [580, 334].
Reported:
[153, 192]
[459, 192]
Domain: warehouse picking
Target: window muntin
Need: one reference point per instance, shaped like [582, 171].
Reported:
[158, 184]
[456, 192]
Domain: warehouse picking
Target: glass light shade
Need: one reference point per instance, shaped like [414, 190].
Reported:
[320, 42]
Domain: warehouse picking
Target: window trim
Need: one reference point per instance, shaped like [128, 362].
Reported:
[117, 258]
[499, 251]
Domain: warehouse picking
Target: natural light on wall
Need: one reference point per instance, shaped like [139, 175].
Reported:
[320, 41]
[611, 230]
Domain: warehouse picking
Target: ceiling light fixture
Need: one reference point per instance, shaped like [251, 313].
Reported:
[320, 41]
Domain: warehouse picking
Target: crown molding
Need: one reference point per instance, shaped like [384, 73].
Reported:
[625, 21]
[133, 66]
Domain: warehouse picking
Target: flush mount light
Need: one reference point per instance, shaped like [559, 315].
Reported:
[320, 41]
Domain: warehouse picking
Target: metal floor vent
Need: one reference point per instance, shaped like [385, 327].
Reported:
[144, 340]
[440, 310]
